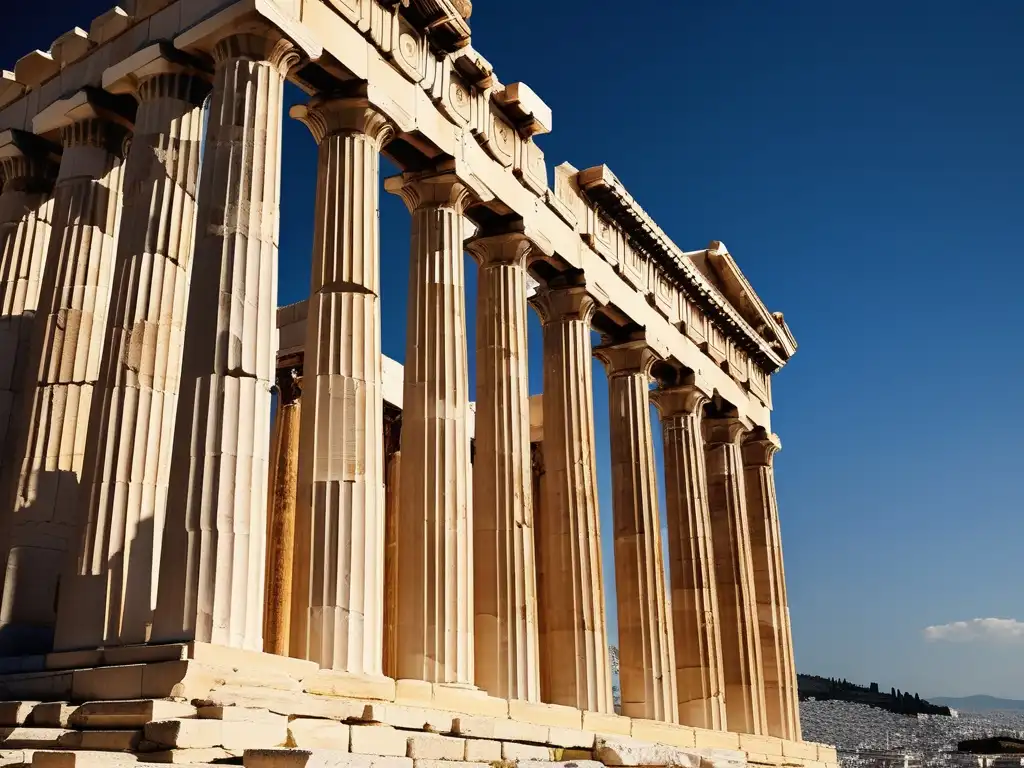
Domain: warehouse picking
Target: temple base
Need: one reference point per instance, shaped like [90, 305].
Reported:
[196, 703]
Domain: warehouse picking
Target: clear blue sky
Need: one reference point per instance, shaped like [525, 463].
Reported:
[864, 162]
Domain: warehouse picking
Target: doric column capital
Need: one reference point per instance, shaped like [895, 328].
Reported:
[431, 190]
[27, 162]
[161, 71]
[270, 46]
[332, 115]
[556, 305]
[686, 400]
[759, 448]
[289, 384]
[512, 248]
[723, 431]
[627, 358]
[90, 118]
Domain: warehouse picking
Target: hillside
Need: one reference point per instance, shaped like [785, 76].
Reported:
[978, 703]
[894, 700]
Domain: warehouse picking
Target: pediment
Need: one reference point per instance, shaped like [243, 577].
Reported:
[720, 268]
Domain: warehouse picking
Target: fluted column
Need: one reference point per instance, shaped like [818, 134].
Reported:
[780, 694]
[504, 572]
[284, 473]
[111, 595]
[64, 365]
[646, 666]
[574, 636]
[699, 670]
[393, 481]
[28, 168]
[337, 611]
[212, 568]
[734, 576]
[435, 534]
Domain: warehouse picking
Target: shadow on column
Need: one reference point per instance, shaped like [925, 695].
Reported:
[32, 572]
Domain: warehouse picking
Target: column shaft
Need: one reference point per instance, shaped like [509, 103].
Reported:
[646, 651]
[734, 577]
[339, 575]
[781, 702]
[393, 481]
[284, 472]
[26, 208]
[574, 636]
[698, 647]
[504, 572]
[435, 536]
[64, 365]
[212, 570]
[110, 598]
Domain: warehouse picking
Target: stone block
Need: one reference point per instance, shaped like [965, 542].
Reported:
[15, 713]
[377, 740]
[74, 659]
[545, 714]
[186, 734]
[135, 713]
[722, 758]
[827, 754]
[333, 683]
[600, 722]
[260, 734]
[431, 746]
[194, 756]
[503, 730]
[238, 714]
[114, 741]
[321, 758]
[559, 764]
[512, 750]
[766, 745]
[483, 750]
[182, 679]
[53, 714]
[458, 699]
[800, 749]
[632, 752]
[570, 738]
[404, 716]
[145, 654]
[82, 759]
[454, 764]
[251, 661]
[415, 692]
[16, 757]
[706, 739]
[309, 733]
[38, 686]
[284, 702]
[30, 738]
[105, 683]
[664, 733]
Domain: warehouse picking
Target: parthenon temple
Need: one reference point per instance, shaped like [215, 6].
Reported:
[235, 533]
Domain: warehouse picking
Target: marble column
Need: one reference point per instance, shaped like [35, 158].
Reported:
[212, 568]
[435, 533]
[734, 576]
[284, 473]
[700, 680]
[28, 167]
[574, 636]
[393, 481]
[646, 664]
[780, 694]
[64, 366]
[110, 596]
[337, 610]
[504, 572]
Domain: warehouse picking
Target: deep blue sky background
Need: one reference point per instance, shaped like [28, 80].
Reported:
[864, 162]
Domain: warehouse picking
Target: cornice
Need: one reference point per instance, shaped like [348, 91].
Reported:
[611, 198]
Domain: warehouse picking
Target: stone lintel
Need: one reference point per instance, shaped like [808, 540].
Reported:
[259, 17]
[109, 25]
[87, 104]
[158, 59]
[526, 109]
